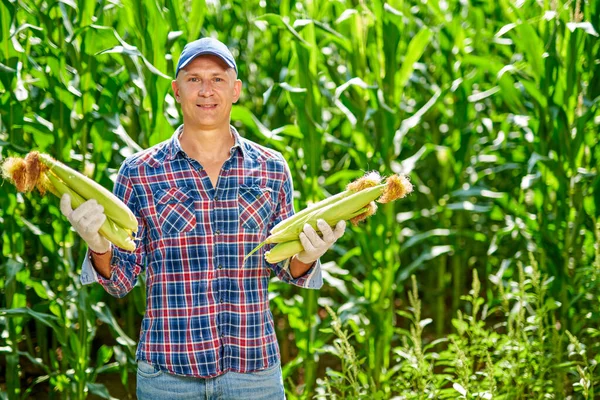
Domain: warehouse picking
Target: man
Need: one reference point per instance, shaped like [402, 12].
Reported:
[203, 199]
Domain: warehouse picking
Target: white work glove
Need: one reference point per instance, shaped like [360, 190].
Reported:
[87, 220]
[314, 245]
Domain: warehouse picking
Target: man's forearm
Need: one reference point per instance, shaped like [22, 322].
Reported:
[101, 263]
[298, 268]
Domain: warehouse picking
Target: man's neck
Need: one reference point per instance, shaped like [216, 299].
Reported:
[207, 145]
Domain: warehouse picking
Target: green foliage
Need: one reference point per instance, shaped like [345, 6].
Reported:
[491, 107]
[511, 350]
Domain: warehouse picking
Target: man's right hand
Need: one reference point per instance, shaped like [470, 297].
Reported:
[87, 220]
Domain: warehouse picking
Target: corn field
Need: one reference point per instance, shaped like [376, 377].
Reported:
[484, 283]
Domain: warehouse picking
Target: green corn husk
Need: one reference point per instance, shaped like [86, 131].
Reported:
[293, 231]
[369, 180]
[33, 172]
[114, 208]
[283, 251]
[111, 231]
[346, 208]
[355, 206]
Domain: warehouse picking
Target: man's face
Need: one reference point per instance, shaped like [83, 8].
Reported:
[206, 88]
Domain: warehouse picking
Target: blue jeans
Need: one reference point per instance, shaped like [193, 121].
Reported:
[154, 384]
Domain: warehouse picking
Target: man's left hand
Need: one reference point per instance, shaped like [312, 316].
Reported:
[314, 245]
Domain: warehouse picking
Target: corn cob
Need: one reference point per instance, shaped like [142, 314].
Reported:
[355, 204]
[369, 180]
[283, 251]
[114, 208]
[346, 208]
[113, 232]
[37, 171]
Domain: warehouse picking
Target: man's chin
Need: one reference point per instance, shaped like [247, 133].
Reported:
[206, 124]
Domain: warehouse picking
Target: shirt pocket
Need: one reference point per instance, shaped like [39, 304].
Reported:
[254, 207]
[176, 211]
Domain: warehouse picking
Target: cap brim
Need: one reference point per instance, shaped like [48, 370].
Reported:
[206, 53]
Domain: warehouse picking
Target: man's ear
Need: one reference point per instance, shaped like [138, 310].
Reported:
[175, 89]
[237, 90]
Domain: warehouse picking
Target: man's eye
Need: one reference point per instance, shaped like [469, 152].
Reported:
[218, 80]
[193, 79]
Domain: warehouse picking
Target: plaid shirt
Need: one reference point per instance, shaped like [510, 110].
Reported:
[207, 311]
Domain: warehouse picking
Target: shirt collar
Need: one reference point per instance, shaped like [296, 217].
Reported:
[174, 145]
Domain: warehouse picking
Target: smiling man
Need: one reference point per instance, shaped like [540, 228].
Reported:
[203, 199]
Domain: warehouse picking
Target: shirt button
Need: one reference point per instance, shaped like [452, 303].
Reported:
[218, 232]
[220, 266]
[221, 301]
[216, 198]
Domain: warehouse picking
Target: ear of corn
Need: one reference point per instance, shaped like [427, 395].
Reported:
[114, 208]
[113, 232]
[346, 208]
[355, 204]
[323, 203]
[46, 174]
[369, 180]
[283, 251]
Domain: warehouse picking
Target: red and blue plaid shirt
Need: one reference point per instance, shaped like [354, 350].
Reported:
[207, 310]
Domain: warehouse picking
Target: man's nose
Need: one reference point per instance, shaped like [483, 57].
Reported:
[205, 88]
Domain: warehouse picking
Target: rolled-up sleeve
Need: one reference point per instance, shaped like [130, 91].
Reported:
[125, 265]
[313, 278]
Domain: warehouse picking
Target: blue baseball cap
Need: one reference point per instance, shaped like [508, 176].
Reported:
[202, 47]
